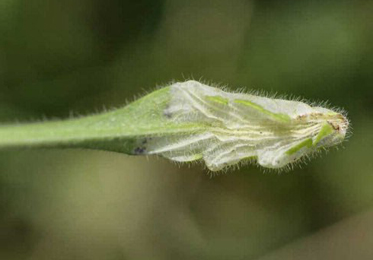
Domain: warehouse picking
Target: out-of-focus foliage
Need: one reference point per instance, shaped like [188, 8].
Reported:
[59, 58]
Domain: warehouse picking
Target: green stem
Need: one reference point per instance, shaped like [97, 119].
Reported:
[117, 130]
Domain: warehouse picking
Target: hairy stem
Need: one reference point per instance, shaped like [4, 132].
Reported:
[116, 130]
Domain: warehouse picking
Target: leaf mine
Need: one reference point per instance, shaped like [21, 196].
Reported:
[237, 127]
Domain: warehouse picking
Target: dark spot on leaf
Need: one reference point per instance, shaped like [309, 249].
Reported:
[167, 113]
[139, 150]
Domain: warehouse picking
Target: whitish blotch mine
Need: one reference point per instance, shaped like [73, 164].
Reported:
[235, 127]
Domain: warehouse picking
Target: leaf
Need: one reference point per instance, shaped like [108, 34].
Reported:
[190, 121]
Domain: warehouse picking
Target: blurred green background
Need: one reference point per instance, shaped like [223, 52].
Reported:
[63, 58]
